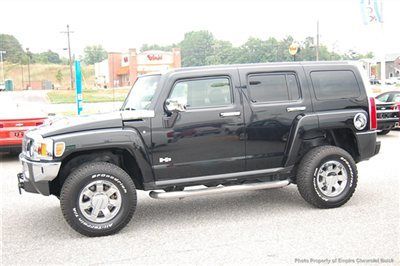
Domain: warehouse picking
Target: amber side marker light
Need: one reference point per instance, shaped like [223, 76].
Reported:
[59, 149]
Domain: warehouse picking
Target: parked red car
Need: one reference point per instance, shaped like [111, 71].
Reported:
[13, 126]
[388, 111]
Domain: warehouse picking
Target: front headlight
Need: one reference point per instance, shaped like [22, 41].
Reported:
[41, 148]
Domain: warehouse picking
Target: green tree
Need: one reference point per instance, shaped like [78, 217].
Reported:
[223, 53]
[14, 51]
[47, 57]
[196, 47]
[94, 54]
[253, 51]
[59, 76]
[147, 47]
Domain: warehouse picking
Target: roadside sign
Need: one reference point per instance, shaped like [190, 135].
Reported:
[78, 86]
[293, 49]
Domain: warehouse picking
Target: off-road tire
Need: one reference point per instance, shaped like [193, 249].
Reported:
[307, 174]
[384, 132]
[78, 179]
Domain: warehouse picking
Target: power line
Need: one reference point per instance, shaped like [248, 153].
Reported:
[68, 32]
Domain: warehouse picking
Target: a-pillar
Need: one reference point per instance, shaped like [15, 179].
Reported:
[133, 66]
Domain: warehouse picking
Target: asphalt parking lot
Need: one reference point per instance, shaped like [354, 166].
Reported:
[270, 226]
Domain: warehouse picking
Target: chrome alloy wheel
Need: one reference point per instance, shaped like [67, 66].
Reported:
[332, 178]
[100, 201]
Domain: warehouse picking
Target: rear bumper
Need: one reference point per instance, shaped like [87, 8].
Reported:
[36, 176]
[367, 145]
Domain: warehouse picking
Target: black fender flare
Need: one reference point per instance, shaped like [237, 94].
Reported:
[128, 139]
[327, 120]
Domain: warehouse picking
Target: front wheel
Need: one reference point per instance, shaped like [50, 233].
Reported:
[327, 177]
[98, 199]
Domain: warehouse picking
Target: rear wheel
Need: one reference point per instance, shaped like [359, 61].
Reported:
[327, 177]
[383, 132]
[98, 199]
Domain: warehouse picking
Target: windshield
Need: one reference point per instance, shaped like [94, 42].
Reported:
[141, 94]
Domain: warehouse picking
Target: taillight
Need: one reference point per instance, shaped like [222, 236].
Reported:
[373, 123]
[1, 125]
[39, 123]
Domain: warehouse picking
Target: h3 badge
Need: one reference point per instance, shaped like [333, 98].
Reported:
[165, 160]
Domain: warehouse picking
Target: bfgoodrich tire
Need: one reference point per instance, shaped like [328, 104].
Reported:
[98, 199]
[327, 177]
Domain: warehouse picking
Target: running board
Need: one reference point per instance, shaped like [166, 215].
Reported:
[218, 189]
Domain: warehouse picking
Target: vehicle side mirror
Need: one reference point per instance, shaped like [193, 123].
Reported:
[174, 106]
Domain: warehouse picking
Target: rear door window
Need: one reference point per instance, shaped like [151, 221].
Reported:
[337, 84]
[273, 87]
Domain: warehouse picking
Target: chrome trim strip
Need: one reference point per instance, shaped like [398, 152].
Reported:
[390, 119]
[219, 176]
[367, 132]
[386, 111]
[227, 114]
[218, 189]
[295, 109]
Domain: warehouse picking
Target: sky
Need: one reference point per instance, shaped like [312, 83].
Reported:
[121, 24]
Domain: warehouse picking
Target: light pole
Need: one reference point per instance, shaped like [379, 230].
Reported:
[317, 48]
[29, 68]
[2, 65]
[68, 32]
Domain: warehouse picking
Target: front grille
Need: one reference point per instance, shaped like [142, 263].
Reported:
[387, 115]
[26, 145]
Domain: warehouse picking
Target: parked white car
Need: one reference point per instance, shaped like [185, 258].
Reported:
[393, 81]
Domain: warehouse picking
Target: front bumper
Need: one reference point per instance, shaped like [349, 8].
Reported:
[10, 148]
[36, 176]
[388, 124]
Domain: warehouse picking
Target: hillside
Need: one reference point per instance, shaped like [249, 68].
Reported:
[41, 72]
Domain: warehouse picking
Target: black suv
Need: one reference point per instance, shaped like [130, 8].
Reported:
[226, 128]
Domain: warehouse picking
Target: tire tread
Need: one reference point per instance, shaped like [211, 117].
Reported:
[306, 170]
[73, 180]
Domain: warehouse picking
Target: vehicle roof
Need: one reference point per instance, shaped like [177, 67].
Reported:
[387, 92]
[221, 67]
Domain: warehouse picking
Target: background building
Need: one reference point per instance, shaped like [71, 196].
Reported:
[122, 69]
[392, 63]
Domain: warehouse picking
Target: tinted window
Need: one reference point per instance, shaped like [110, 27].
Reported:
[203, 92]
[293, 87]
[335, 85]
[383, 97]
[396, 97]
[273, 87]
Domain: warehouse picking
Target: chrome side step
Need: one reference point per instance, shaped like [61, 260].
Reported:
[218, 189]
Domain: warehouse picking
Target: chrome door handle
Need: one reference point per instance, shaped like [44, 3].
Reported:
[227, 114]
[294, 109]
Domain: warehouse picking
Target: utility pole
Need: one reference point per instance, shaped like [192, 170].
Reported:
[22, 76]
[68, 32]
[2, 65]
[317, 48]
[29, 68]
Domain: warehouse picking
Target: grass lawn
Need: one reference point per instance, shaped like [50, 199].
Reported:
[89, 96]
